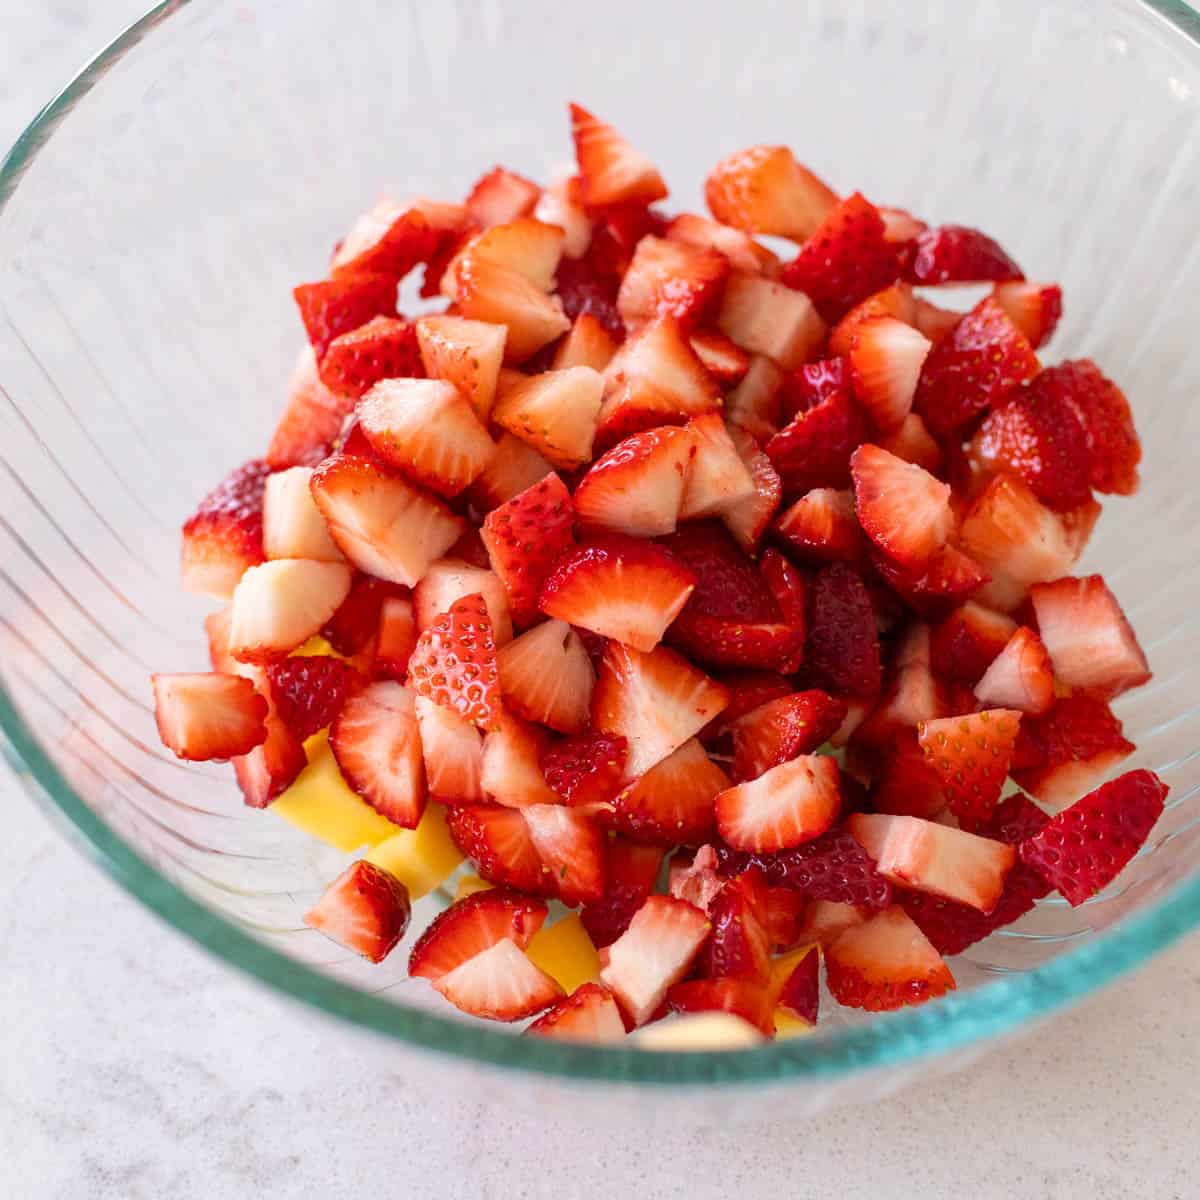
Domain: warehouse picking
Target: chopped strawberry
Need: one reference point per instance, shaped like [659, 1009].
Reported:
[501, 984]
[842, 648]
[381, 523]
[588, 1014]
[547, 676]
[572, 850]
[1019, 677]
[727, 583]
[748, 519]
[1085, 847]
[589, 344]
[453, 753]
[814, 450]
[754, 405]
[555, 413]
[886, 357]
[309, 692]
[724, 360]
[585, 770]
[632, 871]
[825, 920]
[496, 840]
[742, 251]
[514, 467]
[885, 963]
[672, 803]
[396, 639]
[717, 479]
[913, 442]
[487, 291]
[794, 802]
[958, 254]
[383, 348]
[781, 729]
[586, 291]
[800, 990]
[904, 783]
[311, 419]
[510, 770]
[357, 618]
[903, 509]
[971, 753]
[472, 925]
[225, 534]
[454, 663]
[528, 247]
[561, 204]
[270, 768]
[845, 259]
[364, 909]
[763, 189]
[653, 953]
[501, 196]
[292, 525]
[740, 943]
[945, 581]
[1034, 308]
[466, 353]
[787, 588]
[895, 301]
[673, 278]
[822, 527]
[336, 306]
[386, 240]
[277, 605]
[766, 317]
[206, 716]
[749, 999]
[611, 170]
[967, 642]
[747, 690]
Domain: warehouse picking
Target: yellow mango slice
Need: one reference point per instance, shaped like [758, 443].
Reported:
[785, 964]
[789, 1025]
[565, 952]
[468, 885]
[314, 648]
[420, 858]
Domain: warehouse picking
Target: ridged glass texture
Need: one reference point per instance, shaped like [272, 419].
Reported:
[157, 214]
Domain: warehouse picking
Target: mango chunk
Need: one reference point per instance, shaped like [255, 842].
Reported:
[314, 648]
[788, 1025]
[420, 858]
[565, 952]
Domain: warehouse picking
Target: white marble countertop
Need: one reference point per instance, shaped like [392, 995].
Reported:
[134, 1067]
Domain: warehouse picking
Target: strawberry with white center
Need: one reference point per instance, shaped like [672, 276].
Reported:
[384, 525]
[336, 306]
[717, 479]
[292, 525]
[467, 354]
[971, 754]
[655, 952]
[779, 730]
[501, 984]
[486, 291]
[588, 1014]
[547, 676]
[496, 840]
[755, 406]
[555, 413]
[763, 189]
[225, 535]
[610, 169]
[672, 803]
[895, 301]
[501, 196]
[967, 642]
[765, 317]
[786, 805]
[749, 519]
[958, 254]
[526, 246]
[514, 467]
[571, 848]
[913, 442]
[822, 527]
[279, 604]
[396, 639]
[723, 359]
[510, 768]
[472, 925]
[672, 278]
[453, 752]
[450, 579]
[387, 239]
[886, 356]
[208, 716]
[904, 510]
[588, 344]
[454, 663]
[1034, 308]
[383, 348]
[742, 251]
[1020, 676]
[619, 588]
[311, 418]
[365, 909]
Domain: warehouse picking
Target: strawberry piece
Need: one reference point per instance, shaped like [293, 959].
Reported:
[632, 872]
[740, 943]
[885, 963]
[782, 729]
[496, 840]
[514, 467]
[973, 368]
[671, 278]
[467, 354]
[814, 450]
[453, 753]
[655, 952]
[808, 385]
[672, 803]
[472, 925]
[547, 676]
[1084, 848]
[913, 442]
[755, 405]
[561, 204]
[785, 917]
[748, 519]
[1034, 308]
[528, 247]
[903, 783]
[336, 306]
[382, 348]
[825, 920]
[589, 344]
[207, 716]
[900, 226]
[309, 691]
[501, 196]
[717, 479]
[904, 510]
[364, 909]
[381, 523]
[385, 240]
[945, 581]
[886, 357]
[842, 648]
[224, 536]
[278, 605]
[656, 701]
[763, 189]
[845, 259]
[723, 359]
[312, 417]
[588, 1014]
[822, 527]
[502, 984]
[1019, 677]
[377, 744]
[610, 169]
[555, 413]
[794, 802]
[745, 998]
[487, 291]
[741, 250]
[895, 301]
[586, 291]
[971, 753]
[454, 663]
[786, 585]
[766, 317]
[585, 770]
[270, 768]
[357, 617]
[396, 639]
[967, 642]
[510, 771]
[747, 690]
[727, 583]
[571, 848]
[800, 992]
[1090, 642]
[958, 254]
[694, 877]
[292, 525]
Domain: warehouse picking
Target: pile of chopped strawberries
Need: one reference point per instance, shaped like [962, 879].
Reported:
[725, 599]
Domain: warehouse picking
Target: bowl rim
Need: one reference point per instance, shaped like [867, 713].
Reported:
[953, 1022]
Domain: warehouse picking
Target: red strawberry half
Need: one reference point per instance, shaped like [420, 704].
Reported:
[672, 803]
[572, 850]
[903, 509]
[794, 802]
[611, 170]
[588, 1014]
[971, 754]
[208, 716]
[454, 663]
[958, 254]
[364, 909]
[496, 840]
[225, 534]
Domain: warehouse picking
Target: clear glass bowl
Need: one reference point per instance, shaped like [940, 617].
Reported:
[156, 214]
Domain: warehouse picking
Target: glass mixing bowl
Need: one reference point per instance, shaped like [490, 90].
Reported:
[155, 216]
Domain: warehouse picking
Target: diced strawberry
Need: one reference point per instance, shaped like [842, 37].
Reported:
[572, 850]
[794, 802]
[724, 360]
[845, 259]
[472, 925]
[585, 290]
[277, 605]
[822, 527]
[610, 168]
[717, 479]
[270, 768]
[501, 984]
[357, 618]
[971, 753]
[451, 579]
[787, 588]
[336, 306]
[381, 523]
[466, 353]
[673, 278]
[365, 909]
[547, 676]
[501, 196]
[555, 413]
[742, 251]
[589, 344]
[968, 640]
[1019, 677]
[895, 301]
[740, 944]
[766, 317]
[454, 663]
[727, 583]
[958, 254]
[754, 405]
[396, 639]
[913, 442]
[496, 840]
[585, 770]
[225, 534]
[206, 716]
[655, 701]
[886, 356]
[616, 232]
[903, 782]
[312, 417]
[721, 642]
[747, 690]
[749, 999]
[814, 450]
[885, 963]
[292, 525]
[514, 467]
[824, 920]
[748, 519]
[383, 348]
[1034, 308]
[653, 953]
[1085, 847]
[763, 189]
[903, 509]
[1091, 644]
[900, 227]
[561, 204]
[453, 753]
[387, 240]
[973, 368]
[842, 648]
[632, 871]
[672, 803]
[309, 691]
[510, 767]
[528, 247]
[588, 1014]
[782, 729]
[486, 291]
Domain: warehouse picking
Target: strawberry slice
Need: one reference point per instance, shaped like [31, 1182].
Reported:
[357, 618]
[655, 951]
[748, 519]
[717, 479]
[547, 676]
[959, 254]
[672, 803]
[309, 691]
[966, 643]
[487, 291]
[206, 716]
[842, 648]
[845, 259]
[724, 360]
[501, 984]
[1020, 676]
[763, 189]
[396, 639]
[800, 991]
[1034, 308]
[727, 582]
[971, 754]
[277, 605]
[501, 196]
[895, 301]
[1090, 642]
[746, 998]
[454, 663]
[528, 247]
[945, 581]
[973, 368]
[292, 525]
[510, 770]
[384, 525]
[224, 536]
[311, 419]
[755, 405]
[387, 240]
[886, 357]
[825, 920]
[588, 1014]
[913, 442]
[747, 690]
[740, 943]
[572, 850]
[632, 872]
[270, 768]
[1084, 848]
[364, 909]
[788, 804]
[382, 348]
[695, 877]
[782, 729]
[885, 963]
[671, 278]
[620, 588]
[904, 510]
[814, 450]
[467, 354]
[766, 317]
[336, 306]
[822, 527]
[610, 169]
[472, 925]
[656, 701]
[585, 770]
[514, 467]
[555, 413]
[742, 251]
[589, 344]
[496, 840]
[453, 753]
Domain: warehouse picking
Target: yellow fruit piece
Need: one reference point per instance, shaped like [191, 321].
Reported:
[420, 858]
[468, 885]
[785, 964]
[699, 1031]
[321, 803]
[314, 648]
[789, 1025]
[565, 952]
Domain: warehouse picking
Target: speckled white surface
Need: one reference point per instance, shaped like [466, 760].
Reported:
[133, 1066]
